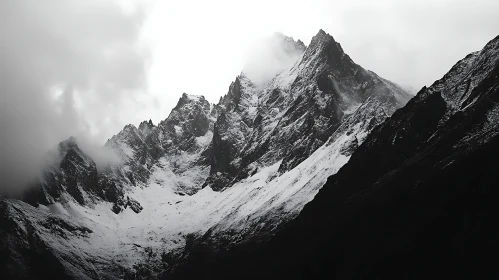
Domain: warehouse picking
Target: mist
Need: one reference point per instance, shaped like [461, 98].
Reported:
[270, 56]
[65, 65]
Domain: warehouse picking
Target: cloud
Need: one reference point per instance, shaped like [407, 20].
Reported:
[270, 56]
[67, 65]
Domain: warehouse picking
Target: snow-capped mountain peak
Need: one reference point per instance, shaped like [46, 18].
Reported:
[254, 159]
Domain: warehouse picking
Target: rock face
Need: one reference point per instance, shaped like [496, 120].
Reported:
[175, 145]
[180, 138]
[295, 113]
[417, 197]
[208, 176]
[73, 176]
[28, 239]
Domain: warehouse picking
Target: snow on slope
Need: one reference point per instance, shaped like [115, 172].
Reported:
[168, 217]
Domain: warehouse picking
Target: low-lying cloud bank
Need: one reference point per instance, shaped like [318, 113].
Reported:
[62, 59]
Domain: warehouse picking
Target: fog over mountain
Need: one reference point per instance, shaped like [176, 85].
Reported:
[68, 68]
[270, 56]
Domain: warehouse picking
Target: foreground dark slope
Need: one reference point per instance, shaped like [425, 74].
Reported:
[418, 199]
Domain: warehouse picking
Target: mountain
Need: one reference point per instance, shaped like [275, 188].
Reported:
[173, 147]
[416, 200]
[295, 113]
[214, 176]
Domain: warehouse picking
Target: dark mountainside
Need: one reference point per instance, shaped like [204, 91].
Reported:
[417, 200]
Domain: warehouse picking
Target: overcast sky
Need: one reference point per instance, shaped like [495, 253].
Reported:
[87, 68]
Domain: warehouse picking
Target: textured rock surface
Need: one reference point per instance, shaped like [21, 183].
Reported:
[295, 113]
